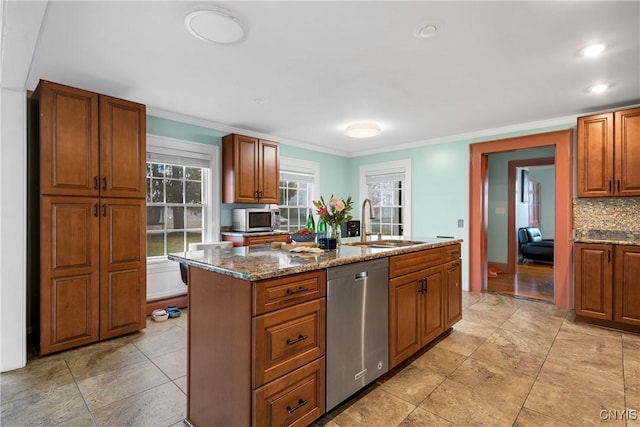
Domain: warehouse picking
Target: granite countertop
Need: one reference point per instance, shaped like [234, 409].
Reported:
[263, 262]
[606, 237]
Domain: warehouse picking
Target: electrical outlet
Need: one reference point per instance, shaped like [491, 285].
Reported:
[460, 223]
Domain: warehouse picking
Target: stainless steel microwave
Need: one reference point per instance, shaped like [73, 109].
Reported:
[254, 219]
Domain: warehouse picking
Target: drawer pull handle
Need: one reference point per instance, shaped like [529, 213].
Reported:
[300, 338]
[301, 403]
[295, 291]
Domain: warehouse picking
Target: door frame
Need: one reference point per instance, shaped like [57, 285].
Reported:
[512, 236]
[478, 204]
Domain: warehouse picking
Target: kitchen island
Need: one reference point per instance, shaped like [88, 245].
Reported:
[257, 324]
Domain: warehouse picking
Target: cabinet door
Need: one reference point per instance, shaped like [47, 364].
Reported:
[269, 180]
[122, 148]
[68, 130]
[595, 155]
[123, 266]
[240, 169]
[431, 305]
[404, 318]
[627, 285]
[593, 280]
[627, 148]
[452, 293]
[69, 258]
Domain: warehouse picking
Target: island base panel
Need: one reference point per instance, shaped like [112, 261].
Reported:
[219, 358]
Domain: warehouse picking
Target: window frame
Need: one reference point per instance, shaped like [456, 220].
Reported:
[288, 164]
[211, 192]
[397, 166]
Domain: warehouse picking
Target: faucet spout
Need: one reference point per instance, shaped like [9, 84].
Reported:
[363, 223]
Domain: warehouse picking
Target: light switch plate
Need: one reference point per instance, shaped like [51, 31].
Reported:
[460, 223]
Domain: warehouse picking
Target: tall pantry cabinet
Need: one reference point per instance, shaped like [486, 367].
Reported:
[87, 210]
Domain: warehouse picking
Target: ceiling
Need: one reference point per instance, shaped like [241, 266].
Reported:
[307, 69]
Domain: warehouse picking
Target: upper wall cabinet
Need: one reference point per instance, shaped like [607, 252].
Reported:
[250, 170]
[609, 154]
[91, 144]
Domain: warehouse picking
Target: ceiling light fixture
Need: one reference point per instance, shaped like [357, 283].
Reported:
[593, 50]
[599, 88]
[362, 130]
[426, 31]
[216, 25]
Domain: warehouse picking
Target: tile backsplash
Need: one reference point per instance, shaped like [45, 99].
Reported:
[617, 218]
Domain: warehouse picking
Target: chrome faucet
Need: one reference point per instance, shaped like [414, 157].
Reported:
[363, 223]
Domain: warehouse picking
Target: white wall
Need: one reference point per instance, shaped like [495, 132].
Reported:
[13, 234]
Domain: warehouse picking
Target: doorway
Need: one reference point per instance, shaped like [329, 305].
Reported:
[562, 141]
[524, 182]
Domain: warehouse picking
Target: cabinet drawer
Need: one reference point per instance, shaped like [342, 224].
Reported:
[452, 252]
[287, 339]
[281, 292]
[407, 263]
[296, 399]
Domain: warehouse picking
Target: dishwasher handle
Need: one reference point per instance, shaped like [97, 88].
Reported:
[360, 276]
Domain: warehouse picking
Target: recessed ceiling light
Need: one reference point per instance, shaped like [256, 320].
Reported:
[599, 88]
[362, 130]
[215, 24]
[426, 31]
[593, 50]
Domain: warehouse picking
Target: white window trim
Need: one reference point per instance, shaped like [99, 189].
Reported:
[303, 166]
[211, 191]
[387, 168]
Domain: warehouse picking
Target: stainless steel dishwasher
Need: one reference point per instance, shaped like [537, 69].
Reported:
[357, 327]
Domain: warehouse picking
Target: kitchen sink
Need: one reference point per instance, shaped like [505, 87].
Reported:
[385, 243]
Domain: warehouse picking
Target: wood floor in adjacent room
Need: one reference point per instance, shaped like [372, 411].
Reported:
[531, 280]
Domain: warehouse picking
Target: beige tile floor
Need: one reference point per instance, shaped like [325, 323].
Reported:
[509, 362]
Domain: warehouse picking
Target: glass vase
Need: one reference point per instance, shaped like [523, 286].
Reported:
[335, 233]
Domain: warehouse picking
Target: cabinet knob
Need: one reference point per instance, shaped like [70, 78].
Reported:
[104, 183]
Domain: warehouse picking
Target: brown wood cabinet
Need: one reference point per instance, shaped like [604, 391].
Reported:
[425, 299]
[453, 293]
[607, 282]
[609, 154]
[87, 201]
[250, 170]
[275, 327]
[593, 269]
[244, 240]
[627, 285]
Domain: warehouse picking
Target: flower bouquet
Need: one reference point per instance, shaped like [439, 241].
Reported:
[334, 214]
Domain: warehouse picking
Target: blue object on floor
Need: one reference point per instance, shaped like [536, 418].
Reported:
[173, 311]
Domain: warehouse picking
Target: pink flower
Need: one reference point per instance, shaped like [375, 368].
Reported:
[322, 211]
[337, 204]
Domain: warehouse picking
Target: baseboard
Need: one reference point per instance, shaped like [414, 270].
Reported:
[499, 266]
[179, 301]
[608, 324]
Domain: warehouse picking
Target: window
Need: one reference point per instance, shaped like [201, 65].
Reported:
[179, 196]
[389, 189]
[298, 189]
